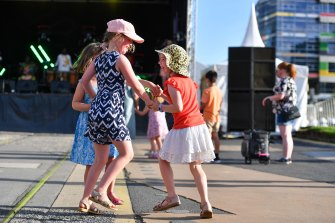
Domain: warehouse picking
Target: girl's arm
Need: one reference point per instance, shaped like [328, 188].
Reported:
[176, 104]
[164, 97]
[124, 66]
[142, 113]
[77, 100]
[89, 73]
[276, 97]
[155, 89]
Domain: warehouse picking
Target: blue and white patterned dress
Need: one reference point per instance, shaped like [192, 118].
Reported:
[82, 149]
[106, 120]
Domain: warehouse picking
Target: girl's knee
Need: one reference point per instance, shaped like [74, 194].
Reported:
[129, 154]
[163, 162]
[195, 166]
[100, 163]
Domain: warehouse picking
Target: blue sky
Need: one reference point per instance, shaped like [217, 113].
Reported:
[221, 24]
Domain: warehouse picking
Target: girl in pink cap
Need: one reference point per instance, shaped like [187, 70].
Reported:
[106, 122]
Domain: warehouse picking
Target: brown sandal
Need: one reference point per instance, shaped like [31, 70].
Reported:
[95, 197]
[88, 208]
[169, 203]
[206, 211]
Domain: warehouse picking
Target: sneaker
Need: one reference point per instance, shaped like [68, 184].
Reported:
[216, 160]
[154, 155]
[284, 160]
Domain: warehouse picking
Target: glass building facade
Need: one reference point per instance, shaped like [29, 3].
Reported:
[303, 32]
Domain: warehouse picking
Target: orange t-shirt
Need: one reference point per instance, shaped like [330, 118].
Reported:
[190, 115]
[212, 98]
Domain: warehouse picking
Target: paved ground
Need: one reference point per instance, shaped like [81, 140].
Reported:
[301, 192]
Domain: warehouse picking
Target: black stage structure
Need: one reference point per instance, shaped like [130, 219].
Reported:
[58, 24]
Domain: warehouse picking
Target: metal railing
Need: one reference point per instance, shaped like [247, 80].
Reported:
[321, 113]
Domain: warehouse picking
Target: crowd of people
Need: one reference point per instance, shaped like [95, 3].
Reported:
[103, 138]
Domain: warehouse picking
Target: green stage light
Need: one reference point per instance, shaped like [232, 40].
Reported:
[45, 67]
[36, 53]
[52, 65]
[44, 53]
[2, 71]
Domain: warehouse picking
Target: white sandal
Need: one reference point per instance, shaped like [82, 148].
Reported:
[95, 197]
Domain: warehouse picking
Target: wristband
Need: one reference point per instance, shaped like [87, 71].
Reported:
[160, 108]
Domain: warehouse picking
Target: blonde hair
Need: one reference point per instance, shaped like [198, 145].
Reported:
[86, 56]
[289, 68]
[108, 36]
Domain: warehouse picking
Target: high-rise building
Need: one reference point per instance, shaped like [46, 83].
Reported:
[303, 32]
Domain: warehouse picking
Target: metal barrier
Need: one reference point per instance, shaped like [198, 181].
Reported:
[321, 113]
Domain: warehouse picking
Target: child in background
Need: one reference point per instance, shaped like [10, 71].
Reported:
[189, 140]
[211, 102]
[82, 150]
[157, 129]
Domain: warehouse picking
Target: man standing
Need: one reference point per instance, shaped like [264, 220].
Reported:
[211, 101]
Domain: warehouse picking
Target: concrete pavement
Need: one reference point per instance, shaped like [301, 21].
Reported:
[238, 192]
[251, 196]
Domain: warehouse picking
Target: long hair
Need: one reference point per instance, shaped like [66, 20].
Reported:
[86, 56]
[290, 69]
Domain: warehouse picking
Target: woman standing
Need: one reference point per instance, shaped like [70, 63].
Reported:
[285, 96]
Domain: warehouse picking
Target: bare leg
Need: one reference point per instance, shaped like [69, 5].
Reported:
[92, 206]
[286, 134]
[125, 155]
[101, 157]
[216, 142]
[167, 175]
[153, 144]
[110, 191]
[154, 148]
[200, 180]
[159, 143]
[87, 170]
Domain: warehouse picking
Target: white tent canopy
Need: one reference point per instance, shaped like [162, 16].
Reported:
[252, 38]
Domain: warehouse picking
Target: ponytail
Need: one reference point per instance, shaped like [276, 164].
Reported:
[86, 56]
[291, 71]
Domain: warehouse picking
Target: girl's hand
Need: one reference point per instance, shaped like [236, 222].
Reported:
[156, 90]
[155, 106]
[149, 104]
[264, 101]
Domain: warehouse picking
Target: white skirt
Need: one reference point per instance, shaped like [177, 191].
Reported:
[188, 145]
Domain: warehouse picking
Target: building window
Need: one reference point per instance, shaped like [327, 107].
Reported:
[331, 48]
[331, 67]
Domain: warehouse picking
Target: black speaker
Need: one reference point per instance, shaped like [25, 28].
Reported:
[60, 87]
[251, 77]
[251, 68]
[7, 86]
[245, 111]
[26, 86]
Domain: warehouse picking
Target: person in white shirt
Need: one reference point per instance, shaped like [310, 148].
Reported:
[63, 64]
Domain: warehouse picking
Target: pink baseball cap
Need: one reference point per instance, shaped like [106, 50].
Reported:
[124, 27]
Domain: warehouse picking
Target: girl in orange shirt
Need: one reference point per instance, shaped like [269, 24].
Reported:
[189, 140]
